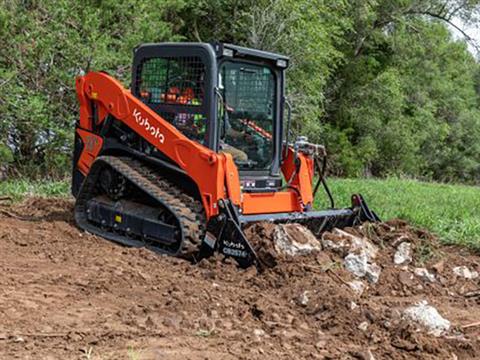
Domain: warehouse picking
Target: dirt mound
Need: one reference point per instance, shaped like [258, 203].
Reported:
[69, 295]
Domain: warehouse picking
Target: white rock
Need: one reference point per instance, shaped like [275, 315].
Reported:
[424, 274]
[303, 299]
[373, 273]
[333, 245]
[403, 253]
[353, 305]
[365, 246]
[428, 316]
[363, 326]
[258, 333]
[370, 355]
[357, 286]
[350, 242]
[295, 239]
[465, 272]
[356, 264]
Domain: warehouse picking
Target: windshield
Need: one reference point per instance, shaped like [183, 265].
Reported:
[247, 114]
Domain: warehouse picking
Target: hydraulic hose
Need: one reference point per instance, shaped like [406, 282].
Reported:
[321, 180]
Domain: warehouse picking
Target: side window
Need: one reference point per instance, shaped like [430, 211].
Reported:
[175, 87]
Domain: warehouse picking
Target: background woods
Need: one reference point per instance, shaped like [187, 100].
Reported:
[384, 84]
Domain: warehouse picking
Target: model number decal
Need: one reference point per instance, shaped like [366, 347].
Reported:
[91, 143]
[153, 130]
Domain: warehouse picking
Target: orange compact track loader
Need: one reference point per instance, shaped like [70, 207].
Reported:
[195, 150]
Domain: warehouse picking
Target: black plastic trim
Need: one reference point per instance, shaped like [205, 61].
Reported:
[274, 169]
[205, 52]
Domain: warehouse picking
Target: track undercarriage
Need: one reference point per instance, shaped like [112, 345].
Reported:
[125, 201]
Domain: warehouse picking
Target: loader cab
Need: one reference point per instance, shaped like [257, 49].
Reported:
[226, 97]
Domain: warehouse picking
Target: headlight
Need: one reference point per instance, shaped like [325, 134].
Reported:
[282, 63]
[227, 52]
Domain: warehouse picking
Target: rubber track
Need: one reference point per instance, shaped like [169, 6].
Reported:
[188, 211]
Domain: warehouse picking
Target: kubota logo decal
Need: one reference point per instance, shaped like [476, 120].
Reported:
[153, 130]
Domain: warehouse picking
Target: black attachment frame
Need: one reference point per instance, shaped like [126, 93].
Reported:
[231, 241]
[321, 180]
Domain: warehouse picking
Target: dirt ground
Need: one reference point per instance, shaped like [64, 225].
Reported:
[65, 294]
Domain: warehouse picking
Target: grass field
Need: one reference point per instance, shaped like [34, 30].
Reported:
[19, 189]
[450, 211]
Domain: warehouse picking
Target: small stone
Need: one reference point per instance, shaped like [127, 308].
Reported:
[424, 274]
[363, 326]
[373, 273]
[353, 305]
[258, 332]
[428, 316]
[357, 286]
[356, 264]
[321, 344]
[403, 254]
[465, 272]
[291, 334]
[213, 314]
[332, 245]
[370, 355]
[18, 339]
[303, 299]
[303, 326]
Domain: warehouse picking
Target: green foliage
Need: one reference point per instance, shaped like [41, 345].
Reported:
[382, 83]
[19, 189]
[408, 93]
[45, 44]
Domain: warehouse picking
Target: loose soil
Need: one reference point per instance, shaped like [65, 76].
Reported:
[65, 294]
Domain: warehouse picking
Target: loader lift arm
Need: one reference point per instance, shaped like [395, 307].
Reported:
[203, 165]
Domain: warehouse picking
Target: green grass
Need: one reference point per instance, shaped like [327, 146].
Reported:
[18, 189]
[450, 211]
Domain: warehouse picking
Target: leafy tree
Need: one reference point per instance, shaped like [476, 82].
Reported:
[45, 44]
[381, 82]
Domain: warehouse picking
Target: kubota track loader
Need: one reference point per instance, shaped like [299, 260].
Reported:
[195, 150]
